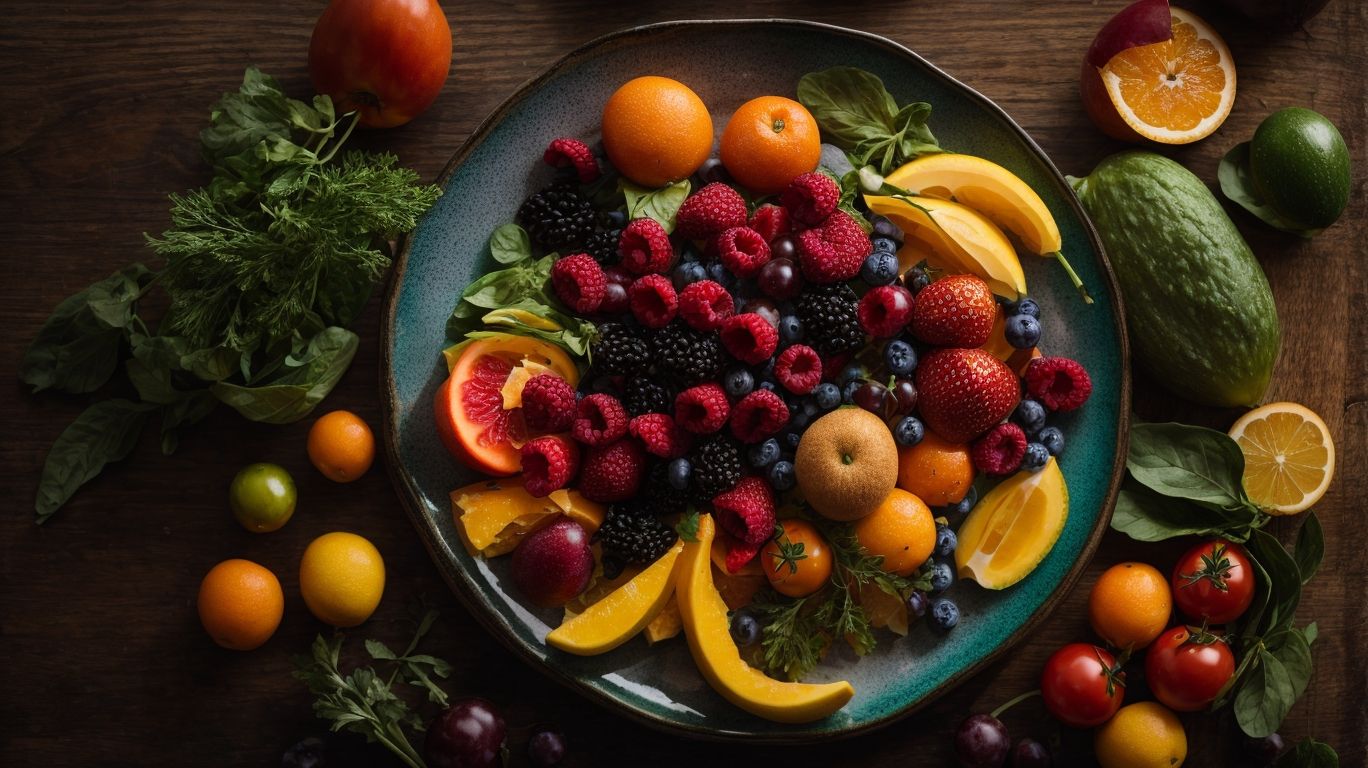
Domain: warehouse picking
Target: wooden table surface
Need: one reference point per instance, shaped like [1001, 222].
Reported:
[105, 662]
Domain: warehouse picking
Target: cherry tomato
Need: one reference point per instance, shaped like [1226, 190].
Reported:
[387, 59]
[1186, 671]
[1213, 581]
[1082, 685]
[797, 562]
[263, 497]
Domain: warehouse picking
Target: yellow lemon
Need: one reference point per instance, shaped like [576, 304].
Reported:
[1143, 735]
[1289, 457]
[341, 577]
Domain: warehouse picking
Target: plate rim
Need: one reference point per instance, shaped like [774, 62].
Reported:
[461, 583]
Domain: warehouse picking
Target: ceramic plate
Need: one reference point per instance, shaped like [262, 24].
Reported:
[727, 63]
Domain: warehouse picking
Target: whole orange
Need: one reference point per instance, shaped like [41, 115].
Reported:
[900, 530]
[240, 604]
[341, 446]
[656, 130]
[768, 142]
[936, 470]
[1129, 605]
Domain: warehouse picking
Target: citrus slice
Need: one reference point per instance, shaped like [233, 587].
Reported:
[1176, 91]
[1289, 457]
[1013, 527]
[623, 613]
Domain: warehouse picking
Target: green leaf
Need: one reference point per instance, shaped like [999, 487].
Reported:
[687, 527]
[1145, 515]
[1264, 698]
[1291, 649]
[1284, 580]
[914, 136]
[510, 244]
[1189, 462]
[529, 317]
[1310, 547]
[379, 651]
[1309, 753]
[850, 105]
[1311, 632]
[659, 204]
[294, 395]
[106, 431]
[1238, 186]
[499, 289]
[77, 349]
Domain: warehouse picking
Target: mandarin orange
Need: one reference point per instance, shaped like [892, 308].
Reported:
[768, 142]
[656, 130]
[240, 604]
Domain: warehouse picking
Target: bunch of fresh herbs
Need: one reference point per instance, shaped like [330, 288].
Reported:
[859, 115]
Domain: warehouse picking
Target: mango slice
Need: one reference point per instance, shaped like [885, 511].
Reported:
[954, 238]
[666, 624]
[492, 516]
[623, 613]
[707, 629]
[988, 188]
[1013, 527]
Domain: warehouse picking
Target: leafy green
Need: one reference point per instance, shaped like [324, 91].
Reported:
[1186, 462]
[304, 383]
[1145, 515]
[687, 527]
[659, 204]
[510, 244]
[1265, 696]
[1310, 548]
[1238, 186]
[857, 114]
[1309, 753]
[104, 432]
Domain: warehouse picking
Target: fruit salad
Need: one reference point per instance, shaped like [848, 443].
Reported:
[753, 399]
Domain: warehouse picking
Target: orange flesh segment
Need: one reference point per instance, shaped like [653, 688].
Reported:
[1303, 458]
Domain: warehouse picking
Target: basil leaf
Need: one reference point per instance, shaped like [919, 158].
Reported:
[659, 204]
[914, 137]
[1310, 547]
[1283, 577]
[1238, 186]
[1309, 754]
[1264, 698]
[528, 317]
[526, 280]
[1291, 649]
[850, 105]
[293, 395]
[1189, 462]
[510, 244]
[77, 349]
[104, 432]
[1145, 515]
[1310, 632]
[1263, 589]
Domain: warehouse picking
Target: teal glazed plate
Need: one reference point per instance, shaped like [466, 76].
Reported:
[728, 63]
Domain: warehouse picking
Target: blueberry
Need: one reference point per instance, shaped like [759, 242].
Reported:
[745, 629]
[790, 330]
[766, 372]
[688, 272]
[848, 390]
[852, 372]
[900, 357]
[689, 253]
[1025, 307]
[1035, 458]
[884, 227]
[1022, 331]
[799, 420]
[678, 473]
[767, 385]
[617, 219]
[827, 395]
[1053, 440]
[809, 406]
[546, 748]
[919, 281]
[1029, 415]
[789, 441]
[879, 267]
[308, 753]
[916, 604]
[738, 382]
[781, 475]
[964, 505]
[944, 614]
[762, 455]
[719, 274]
[945, 541]
[884, 244]
[909, 432]
[942, 576]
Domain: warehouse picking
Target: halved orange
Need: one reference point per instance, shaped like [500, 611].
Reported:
[1289, 457]
[1176, 91]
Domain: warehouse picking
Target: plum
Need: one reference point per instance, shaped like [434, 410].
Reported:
[468, 734]
[554, 564]
[1143, 22]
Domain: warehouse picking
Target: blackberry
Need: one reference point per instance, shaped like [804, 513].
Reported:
[603, 246]
[686, 355]
[628, 536]
[619, 351]
[641, 395]
[829, 318]
[558, 218]
[716, 468]
[656, 497]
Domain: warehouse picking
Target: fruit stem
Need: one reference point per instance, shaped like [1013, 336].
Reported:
[1012, 703]
[1073, 276]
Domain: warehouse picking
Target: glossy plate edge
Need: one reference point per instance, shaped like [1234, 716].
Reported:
[460, 582]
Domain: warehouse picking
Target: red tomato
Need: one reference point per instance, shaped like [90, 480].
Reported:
[1187, 671]
[1082, 685]
[797, 562]
[386, 59]
[1214, 581]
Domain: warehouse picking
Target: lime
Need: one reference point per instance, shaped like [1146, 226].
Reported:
[1300, 166]
[262, 497]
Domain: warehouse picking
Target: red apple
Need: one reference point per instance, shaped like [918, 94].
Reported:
[1143, 22]
[554, 564]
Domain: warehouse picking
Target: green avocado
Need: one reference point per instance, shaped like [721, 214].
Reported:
[1199, 311]
[1299, 164]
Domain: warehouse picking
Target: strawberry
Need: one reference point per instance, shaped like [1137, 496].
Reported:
[954, 311]
[964, 392]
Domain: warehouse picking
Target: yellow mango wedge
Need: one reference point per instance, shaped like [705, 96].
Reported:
[1013, 527]
[623, 613]
[492, 516]
[953, 238]
[710, 642]
[666, 624]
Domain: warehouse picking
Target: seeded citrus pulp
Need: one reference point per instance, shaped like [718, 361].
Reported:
[1289, 457]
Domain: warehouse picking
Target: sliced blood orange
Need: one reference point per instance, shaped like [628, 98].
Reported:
[469, 408]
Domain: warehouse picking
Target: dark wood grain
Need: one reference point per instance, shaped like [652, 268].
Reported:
[105, 660]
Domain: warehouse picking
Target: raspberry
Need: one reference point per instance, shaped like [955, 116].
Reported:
[746, 512]
[739, 553]
[749, 338]
[1000, 451]
[612, 472]
[548, 403]
[798, 369]
[770, 221]
[572, 152]
[834, 251]
[709, 211]
[579, 282]
[811, 198]
[599, 419]
[1058, 382]
[653, 300]
[758, 415]
[885, 310]
[702, 409]
[645, 247]
[955, 311]
[705, 304]
[660, 434]
[743, 251]
[548, 464]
